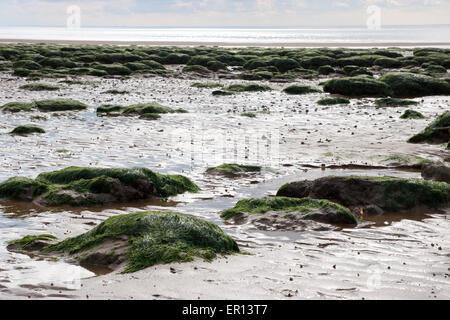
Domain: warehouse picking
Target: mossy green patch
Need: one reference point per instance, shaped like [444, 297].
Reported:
[155, 238]
[40, 87]
[79, 186]
[248, 114]
[222, 93]
[196, 69]
[408, 193]
[232, 168]
[393, 102]
[26, 130]
[248, 88]
[30, 239]
[407, 84]
[412, 114]
[437, 132]
[207, 85]
[115, 91]
[19, 106]
[146, 110]
[18, 188]
[260, 206]
[60, 105]
[297, 89]
[359, 86]
[332, 101]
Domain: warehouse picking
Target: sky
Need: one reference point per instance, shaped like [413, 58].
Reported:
[205, 13]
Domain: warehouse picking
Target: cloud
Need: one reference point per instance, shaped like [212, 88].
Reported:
[222, 12]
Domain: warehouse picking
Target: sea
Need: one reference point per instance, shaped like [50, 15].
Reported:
[438, 35]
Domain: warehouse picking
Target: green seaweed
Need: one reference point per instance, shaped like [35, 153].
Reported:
[332, 101]
[437, 132]
[296, 89]
[407, 84]
[40, 87]
[412, 114]
[155, 238]
[18, 106]
[17, 188]
[359, 86]
[259, 206]
[30, 239]
[248, 88]
[393, 102]
[234, 168]
[408, 193]
[60, 105]
[26, 130]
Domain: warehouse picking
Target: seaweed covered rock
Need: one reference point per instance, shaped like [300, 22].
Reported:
[406, 84]
[40, 87]
[437, 132]
[31, 242]
[222, 93]
[359, 86]
[248, 88]
[77, 186]
[388, 63]
[281, 213]
[332, 101]
[136, 241]
[26, 130]
[60, 105]
[436, 172]
[389, 194]
[196, 69]
[297, 90]
[207, 85]
[233, 170]
[142, 109]
[18, 106]
[412, 114]
[393, 102]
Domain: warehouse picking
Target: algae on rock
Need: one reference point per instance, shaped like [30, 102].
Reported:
[151, 238]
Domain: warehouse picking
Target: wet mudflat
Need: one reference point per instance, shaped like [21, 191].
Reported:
[393, 256]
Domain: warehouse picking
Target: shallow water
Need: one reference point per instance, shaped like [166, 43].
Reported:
[261, 36]
[293, 133]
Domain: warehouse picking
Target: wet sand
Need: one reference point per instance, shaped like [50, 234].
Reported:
[238, 44]
[377, 260]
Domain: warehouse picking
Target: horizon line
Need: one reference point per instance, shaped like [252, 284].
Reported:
[227, 27]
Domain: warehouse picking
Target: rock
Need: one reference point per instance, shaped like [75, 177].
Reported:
[389, 194]
[281, 213]
[359, 86]
[148, 111]
[31, 243]
[412, 114]
[60, 105]
[146, 239]
[26, 130]
[437, 132]
[436, 172]
[233, 170]
[76, 186]
[297, 90]
[410, 85]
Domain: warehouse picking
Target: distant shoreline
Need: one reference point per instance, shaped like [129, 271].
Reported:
[234, 44]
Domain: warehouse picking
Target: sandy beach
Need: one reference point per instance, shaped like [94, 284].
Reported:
[377, 259]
